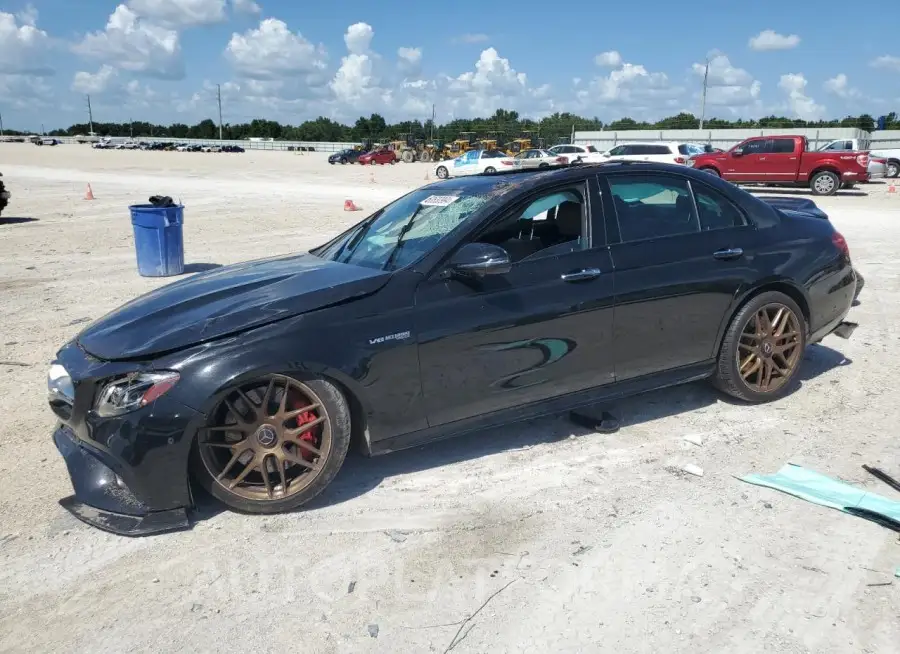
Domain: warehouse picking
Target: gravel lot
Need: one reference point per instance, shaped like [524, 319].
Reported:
[597, 542]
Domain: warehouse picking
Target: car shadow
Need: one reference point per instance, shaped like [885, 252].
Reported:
[361, 474]
[781, 190]
[13, 220]
[200, 267]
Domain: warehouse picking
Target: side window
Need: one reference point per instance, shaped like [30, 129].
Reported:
[715, 211]
[783, 146]
[652, 206]
[552, 224]
[756, 147]
[659, 149]
[618, 150]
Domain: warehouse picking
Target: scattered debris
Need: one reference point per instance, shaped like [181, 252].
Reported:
[581, 550]
[604, 422]
[695, 599]
[78, 321]
[196, 607]
[351, 587]
[884, 583]
[695, 439]
[457, 639]
[15, 363]
[883, 476]
[373, 630]
[692, 469]
[396, 535]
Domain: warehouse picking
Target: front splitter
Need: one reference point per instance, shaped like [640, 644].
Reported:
[156, 522]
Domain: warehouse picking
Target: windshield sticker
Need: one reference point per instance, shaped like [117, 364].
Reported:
[439, 200]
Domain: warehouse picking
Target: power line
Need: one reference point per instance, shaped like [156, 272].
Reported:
[703, 101]
[90, 117]
[219, 98]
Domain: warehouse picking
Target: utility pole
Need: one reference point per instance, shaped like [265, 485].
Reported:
[432, 122]
[703, 101]
[90, 117]
[1, 124]
[219, 98]
[131, 120]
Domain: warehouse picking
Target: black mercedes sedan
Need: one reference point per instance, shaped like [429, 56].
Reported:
[349, 155]
[462, 305]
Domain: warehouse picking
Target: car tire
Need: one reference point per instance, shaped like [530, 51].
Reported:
[543, 165]
[824, 182]
[749, 356]
[711, 171]
[372, 162]
[490, 170]
[343, 161]
[258, 492]
[442, 172]
[892, 169]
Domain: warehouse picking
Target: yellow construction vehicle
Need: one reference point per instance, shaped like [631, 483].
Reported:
[463, 144]
[525, 142]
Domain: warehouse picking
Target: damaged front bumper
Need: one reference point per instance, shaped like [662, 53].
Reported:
[102, 498]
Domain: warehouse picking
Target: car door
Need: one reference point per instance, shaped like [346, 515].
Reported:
[677, 268]
[742, 163]
[544, 329]
[783, 162]
[466, 164]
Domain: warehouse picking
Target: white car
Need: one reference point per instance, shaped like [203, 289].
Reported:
[577, 153]
[473, 162]
[536, 158]
[663, 152]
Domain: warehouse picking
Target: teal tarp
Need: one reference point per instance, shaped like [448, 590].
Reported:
[819, 489]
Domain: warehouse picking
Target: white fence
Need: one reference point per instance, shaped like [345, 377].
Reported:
[726, 138]
[315, 146]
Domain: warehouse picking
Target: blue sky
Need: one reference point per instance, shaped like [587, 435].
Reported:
[160, 60]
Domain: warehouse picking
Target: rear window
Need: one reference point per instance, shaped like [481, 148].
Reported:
[591, 148]
[690, 149]
[783, 146]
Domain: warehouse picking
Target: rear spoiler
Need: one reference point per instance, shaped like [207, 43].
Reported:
[804, 205]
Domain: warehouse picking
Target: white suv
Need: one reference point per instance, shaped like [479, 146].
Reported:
[577, 153]
[669, 152]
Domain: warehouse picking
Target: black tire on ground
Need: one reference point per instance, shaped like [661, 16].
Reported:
[490, 170]
[3, 201]
[343, 160]
[442, 172]
[824, 182]
[372, 162]
[847, 186]
[711, 171]
[544, 165]
[727, 376]
[893, 168]
[338, 412]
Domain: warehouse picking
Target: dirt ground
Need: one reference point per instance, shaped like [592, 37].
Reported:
[592, 543]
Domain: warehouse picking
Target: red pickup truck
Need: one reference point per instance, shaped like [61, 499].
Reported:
[785, 161]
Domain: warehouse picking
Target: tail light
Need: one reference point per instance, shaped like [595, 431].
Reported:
[680, 160]
[507, 162]
[841, 244]
[863, 160]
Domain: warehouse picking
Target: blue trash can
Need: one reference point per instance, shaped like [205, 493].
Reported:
[158, 239]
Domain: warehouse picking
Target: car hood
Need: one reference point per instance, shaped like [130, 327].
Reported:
[226, 301]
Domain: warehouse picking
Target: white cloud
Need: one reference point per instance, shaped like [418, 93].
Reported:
[493, 84]
[727, 85]
[180, 13]
[272, 51]
[794, 85]
[629, 86]
[610, 59]
[28, 16]
[886, 62]
[839, 85]
[246, 7]
[410, 61]
[94, 83]
[132, 44]
[470, 38]
[772, 40]
[358, 38]
[25, 93]
[23, 48]
[357, 83]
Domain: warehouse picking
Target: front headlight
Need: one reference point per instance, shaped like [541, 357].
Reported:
[59, 385]
[133, 392]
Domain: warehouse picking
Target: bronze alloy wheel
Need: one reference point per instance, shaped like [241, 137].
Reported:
[769, 348]
[267, 440]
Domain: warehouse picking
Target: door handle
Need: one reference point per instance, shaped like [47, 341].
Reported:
[582, 275]
[762, 158]
[728, 254]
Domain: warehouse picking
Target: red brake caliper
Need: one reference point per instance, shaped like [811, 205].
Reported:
[310, 435]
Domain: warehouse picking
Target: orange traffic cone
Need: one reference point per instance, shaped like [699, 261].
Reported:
[89, 194]
[892, 189]
[350, 206]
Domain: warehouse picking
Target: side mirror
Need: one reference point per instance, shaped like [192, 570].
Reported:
[607, 154]
[479, 259]
[737, 152]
